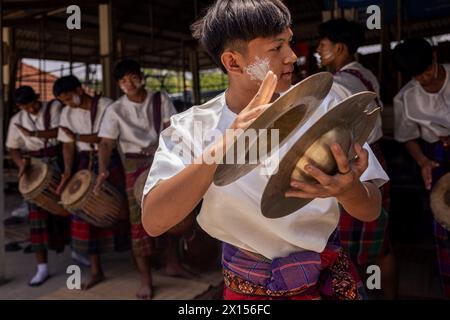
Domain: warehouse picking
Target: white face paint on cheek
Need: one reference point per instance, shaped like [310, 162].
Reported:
[138, 84]
[124, 90]
[328, 55]
[76, 100]
[258, 69]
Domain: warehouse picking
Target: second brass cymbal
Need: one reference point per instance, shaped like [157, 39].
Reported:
[347, 123]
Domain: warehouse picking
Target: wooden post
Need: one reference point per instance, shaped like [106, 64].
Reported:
[2, 180]
[193, 61]
[106, 48]
[183, 66]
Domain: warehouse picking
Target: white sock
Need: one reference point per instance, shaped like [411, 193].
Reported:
[41, 274]
[80, 258]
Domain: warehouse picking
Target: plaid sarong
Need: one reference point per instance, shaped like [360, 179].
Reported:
[142, 243]
[365, 242]
[47, 231]
[301, 275]
[88, 239]
[437, 152]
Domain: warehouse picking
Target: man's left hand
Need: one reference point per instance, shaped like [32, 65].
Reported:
[339, 185]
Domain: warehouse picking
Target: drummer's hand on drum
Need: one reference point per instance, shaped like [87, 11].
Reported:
[69, 132]
[22, 167]
[101, 178]
[339, 185]
[65, 177]
[25, 132]
[258, 104]
[426, 168]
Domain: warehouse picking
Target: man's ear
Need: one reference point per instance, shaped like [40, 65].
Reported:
[340, 48]
[232, 61]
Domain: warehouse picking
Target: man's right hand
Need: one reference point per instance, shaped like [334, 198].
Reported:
[253, 110]
[101, 178]
[65, 177]
[427, 167]
[258, 104]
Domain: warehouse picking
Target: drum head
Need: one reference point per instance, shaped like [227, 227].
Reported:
[77, 187]
[34, 176]
[139, 186]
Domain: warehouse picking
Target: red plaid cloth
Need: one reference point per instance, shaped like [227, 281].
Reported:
[304, 275]
[365, 242]
[47, 231]
[142, 244]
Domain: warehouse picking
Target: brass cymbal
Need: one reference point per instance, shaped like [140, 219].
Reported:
[287, 113]
[440, 201]
[349, 122]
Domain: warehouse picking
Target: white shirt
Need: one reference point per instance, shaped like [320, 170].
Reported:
[420, 114]
[348, 84]
[232, 213]
[132, 123]
[78, 120]
[17, 140]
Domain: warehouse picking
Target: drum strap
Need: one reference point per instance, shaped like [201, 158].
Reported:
[94, 111]
[47, 119]
[367, 83]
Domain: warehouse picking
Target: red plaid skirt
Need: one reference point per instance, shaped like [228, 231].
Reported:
[47, 231]
[365, 242]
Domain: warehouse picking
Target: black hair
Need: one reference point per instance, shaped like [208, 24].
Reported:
[125, 67]
[227, 21]
[66, 84]
[343, 31]
[24, 95]
[413, 56]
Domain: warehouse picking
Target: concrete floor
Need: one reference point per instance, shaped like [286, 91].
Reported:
[122, 277]
[418, 276]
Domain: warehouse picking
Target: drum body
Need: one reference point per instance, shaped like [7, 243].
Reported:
[178, 230]
[38, 185]
[103, 210]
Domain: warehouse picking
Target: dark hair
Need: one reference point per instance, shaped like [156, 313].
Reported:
[347, 32]
[227, 21]
[66, 84]
[125, 67]
[413, 56]
[25, 95]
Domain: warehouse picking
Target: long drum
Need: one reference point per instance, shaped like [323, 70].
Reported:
[138, 191]
[440, 201]
[102, 210]
[38, 185]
